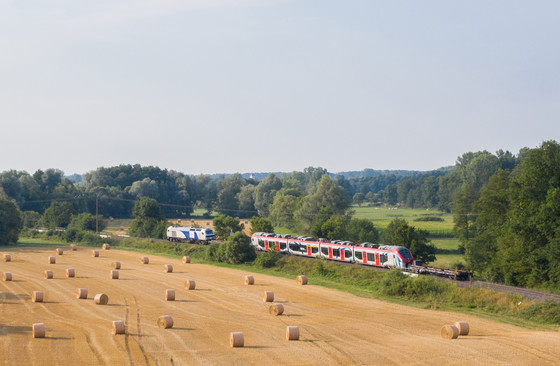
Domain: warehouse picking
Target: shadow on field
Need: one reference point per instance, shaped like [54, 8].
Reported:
[7, 329]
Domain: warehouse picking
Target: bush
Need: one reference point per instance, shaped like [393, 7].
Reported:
[238, 249]
[430, 218]
[268, 259]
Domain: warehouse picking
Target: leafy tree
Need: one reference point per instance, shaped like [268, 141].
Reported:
[227, 201]
[145, 188]
[260, 224]
[335, 227]
[238, 249]
[59, 214]
[31, 219]
[224, 225]
[246, 200]
[87, 221]
[11, 222]
[398, 232]
[286, 202]
[361, 230]
[149, 220]
[359, 198]
[264, 193]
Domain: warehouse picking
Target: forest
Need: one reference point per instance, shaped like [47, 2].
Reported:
[506, 206]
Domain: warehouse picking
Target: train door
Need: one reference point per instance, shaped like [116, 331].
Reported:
[309, 250]
[364, 257]
[330, 253]
[376, 259]
[342, 254]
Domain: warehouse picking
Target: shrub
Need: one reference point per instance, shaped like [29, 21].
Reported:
[238, 249]
[268, 259]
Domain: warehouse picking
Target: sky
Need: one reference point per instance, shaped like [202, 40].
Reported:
[225, 86]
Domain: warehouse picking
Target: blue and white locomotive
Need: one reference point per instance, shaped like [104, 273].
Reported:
[193, 234]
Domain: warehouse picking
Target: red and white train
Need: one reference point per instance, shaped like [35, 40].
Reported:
[390, 256]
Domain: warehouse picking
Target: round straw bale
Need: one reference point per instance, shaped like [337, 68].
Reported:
[106, 246]
[276, 309]
[81, 293]
[116, 265]
[168, 268]
[6, 276]
[236, 339]
[186, 259]
[268, 296]
[70, 272]
[449, 332]
[95, 253]
[292, 333]
[301, 280]
[190, 285]
[73, 247]
[114, 274]
[39, 330]
[48, 274]
[52, 260]
[59, 251]
[169, 295]
[249, 280]
[144, 260]
[7, 258]
[117, 327]
[463, 328]
[101, 299]
[37, 296]
[165, 321]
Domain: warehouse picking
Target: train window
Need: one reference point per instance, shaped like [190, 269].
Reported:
[371, 257]
[336, 252]
[294, 246]
[358, 255]
[282, 245]
[325, 251]
[314, 250]
[383, 258]
[405, 253]
[347, 253]
[261, 243]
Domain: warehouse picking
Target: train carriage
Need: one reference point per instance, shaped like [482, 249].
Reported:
[337, 252]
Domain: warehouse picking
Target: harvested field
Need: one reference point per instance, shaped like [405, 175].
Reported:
[335, 328]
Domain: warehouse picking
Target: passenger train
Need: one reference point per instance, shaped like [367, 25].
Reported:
[389, 256]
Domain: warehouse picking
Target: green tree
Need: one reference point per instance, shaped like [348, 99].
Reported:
[246, 200]
[11, 222]
[238, 249]
[262, 225]
[59, 214]
[224, 225]
[359, 198]
[31, 219]
[149, 220]
[361, 230]
[265, 192]
[398, 232]
[87, 221]
[286, 202]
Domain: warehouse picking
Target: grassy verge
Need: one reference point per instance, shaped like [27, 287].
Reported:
[422, 292]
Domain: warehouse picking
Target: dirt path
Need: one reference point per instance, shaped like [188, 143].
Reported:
[336, 328]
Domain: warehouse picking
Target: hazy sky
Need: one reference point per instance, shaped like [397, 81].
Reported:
[271, 85]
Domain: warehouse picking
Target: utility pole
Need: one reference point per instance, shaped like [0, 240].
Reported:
[96, 213]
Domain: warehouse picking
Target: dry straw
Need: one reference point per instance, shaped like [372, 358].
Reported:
[59, 251]
[101, 299]
[236, 339]
[276, 309]
[292, 333]
[186, 259]
[37, 296]
[116, 265]
[52, 260]
[114, 274]
[81, 293]
[268, 296]
[7, 258]
[144, 260]
[48, 274]
[169, 295]
[249, 280]
[117, 327]
[39, 330]
[6, 276]
[73, 247]
[167, 268]
[449, 332]
[301, 280]
[190, 285]
[106, 246]
[70, 272]
[463, 328]
[165, 321]
[95, 253]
